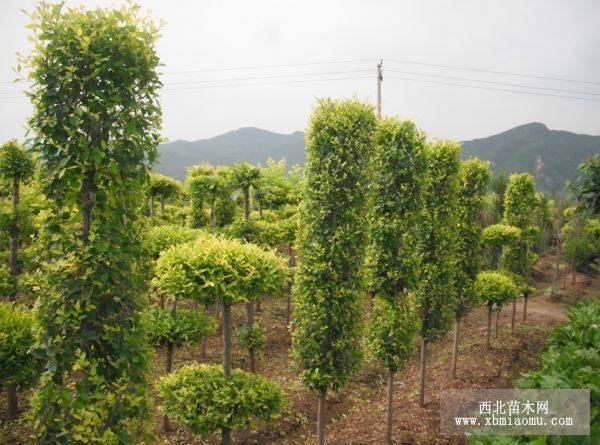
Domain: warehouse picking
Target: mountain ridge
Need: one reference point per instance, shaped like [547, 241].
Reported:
[551, 155]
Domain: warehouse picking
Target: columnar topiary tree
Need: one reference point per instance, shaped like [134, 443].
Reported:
[162, 187]
[207, 185]
[493, 288]
[520, 202]
[16, 166]
[327, 288]
[20, 367]
[398, 167]
[96, 127]
[213, 269]
[437, 293]
[473, 181]
[246, 176]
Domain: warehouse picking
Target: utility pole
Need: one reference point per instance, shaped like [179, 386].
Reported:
[379, 80]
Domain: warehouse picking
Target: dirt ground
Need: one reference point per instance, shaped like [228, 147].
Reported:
[357, 414]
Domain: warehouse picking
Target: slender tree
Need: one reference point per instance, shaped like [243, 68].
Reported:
[96, 126]
[473, 181]
[327, 288]
[398, 167]
[437, 293]
[162, 187]
[16, 167]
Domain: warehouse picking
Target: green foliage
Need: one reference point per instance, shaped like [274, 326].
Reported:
[570, 360]
[588, 187]
[497, 237]
[391, 334]
[474, 176]
[208, 185]
[7, 281]
[327, 288]
[96, 121]
[210, 269]
[160, 238]
[163, 186]
[201, 397]
[245, 175]
[251, 336]
[182, 328]
[15, 163]
[437, 245]
[279, 185]
[397, 173]
[17, 335]
[494, 288]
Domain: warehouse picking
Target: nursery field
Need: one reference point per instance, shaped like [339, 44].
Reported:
[355, 411]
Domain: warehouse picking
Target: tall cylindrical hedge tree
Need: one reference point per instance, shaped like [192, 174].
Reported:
[437, 293]
[327, 286]
[397, 170]
[96, 124]
[474, 177]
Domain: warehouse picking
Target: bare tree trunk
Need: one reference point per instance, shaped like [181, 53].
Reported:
[226, 432]
[390, 406]
[162, 301]
[257, 308]
[423, 366]
[321, 417]
[14, 238]
[212, 216]
[556, 280]
[250, 323]
[498, 309]
[489, 327]
[288, 309]
[455, 345]
[13, 402]
[246, 203]
[514, 314]
[525, 308]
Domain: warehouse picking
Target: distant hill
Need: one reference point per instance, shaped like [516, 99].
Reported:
[248, 144]
[551, 155]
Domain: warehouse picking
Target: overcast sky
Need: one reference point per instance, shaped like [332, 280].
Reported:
[559, 39]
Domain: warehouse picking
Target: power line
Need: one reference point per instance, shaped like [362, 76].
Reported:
[493, 89]
[265, 83]
[481, 70]
[269, 77]
[509, 84]
[256, 67]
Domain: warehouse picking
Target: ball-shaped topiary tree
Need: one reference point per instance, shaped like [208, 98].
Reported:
[327, 288]
[16, 167]
[205, 399]
[214, 269]
[397, 173]
[162, 187]
[493, 288]
[20, 368]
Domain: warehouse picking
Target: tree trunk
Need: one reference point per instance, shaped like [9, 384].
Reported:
[14, 238]
[498, 309]
[573, 273]
[423, 366]
[455, 345]
[227, 339]
[250, 323]
[212, 216]
[556, 280]
[257, 308]
[225, 436]
[321, 417]
[390, 407]
[246, 203]
[162, 301]
[489, 327]
[13, 402]
[514, 314]
[288, 309]
[162, 205]
[169, 364]
[525, 308]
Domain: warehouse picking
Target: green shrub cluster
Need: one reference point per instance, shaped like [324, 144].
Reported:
[495, 288]
[251, 336]
[201, 397]
[185, 327]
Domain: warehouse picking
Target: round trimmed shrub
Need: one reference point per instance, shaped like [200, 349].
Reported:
[204, 399]
[495, 288]
[187, 327]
